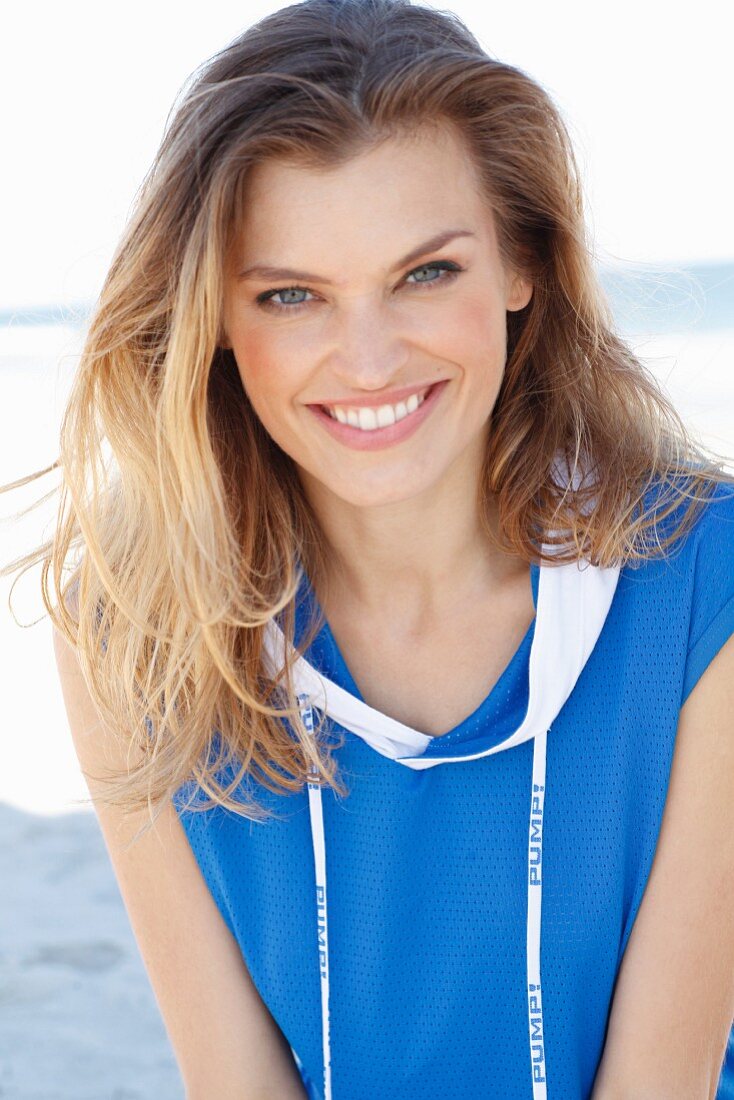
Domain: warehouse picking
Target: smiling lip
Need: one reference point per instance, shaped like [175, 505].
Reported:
[374, 440]
[374, 402]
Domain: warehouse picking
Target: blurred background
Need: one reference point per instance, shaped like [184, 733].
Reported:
[84, 92]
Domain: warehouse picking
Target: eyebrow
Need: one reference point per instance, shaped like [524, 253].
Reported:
[263, 271]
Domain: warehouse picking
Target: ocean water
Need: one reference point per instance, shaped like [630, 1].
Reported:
[679, 320]
[660, 300]
[681, 324]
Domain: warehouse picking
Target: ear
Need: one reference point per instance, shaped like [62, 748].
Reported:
[519, 293]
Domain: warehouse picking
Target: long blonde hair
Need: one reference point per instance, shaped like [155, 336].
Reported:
[182, 530]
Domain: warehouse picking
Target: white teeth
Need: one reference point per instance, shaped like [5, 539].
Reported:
[367, 419]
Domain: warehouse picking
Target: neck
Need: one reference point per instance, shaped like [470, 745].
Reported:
[413, 559]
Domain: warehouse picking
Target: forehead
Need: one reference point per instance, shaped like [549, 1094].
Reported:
[411, 182]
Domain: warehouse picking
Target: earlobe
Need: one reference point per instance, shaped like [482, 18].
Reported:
[521, 291]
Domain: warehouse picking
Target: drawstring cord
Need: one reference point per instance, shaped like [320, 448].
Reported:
[316, 815]
[535, 897]
[535, 894]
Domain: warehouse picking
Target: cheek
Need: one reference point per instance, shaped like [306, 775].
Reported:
[263, 362]
[473, 333]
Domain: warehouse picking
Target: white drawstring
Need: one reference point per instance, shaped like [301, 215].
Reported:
[535, 898]
[535, 895]
[316, 814]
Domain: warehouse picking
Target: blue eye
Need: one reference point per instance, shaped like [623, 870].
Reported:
[445, 271]
[269, 296]
[436, 266]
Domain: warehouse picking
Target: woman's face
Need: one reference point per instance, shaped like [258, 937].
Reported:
[390, 287]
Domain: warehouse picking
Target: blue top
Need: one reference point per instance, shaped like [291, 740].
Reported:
[432, 911]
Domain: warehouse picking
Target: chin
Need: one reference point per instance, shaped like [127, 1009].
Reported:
[375, 496]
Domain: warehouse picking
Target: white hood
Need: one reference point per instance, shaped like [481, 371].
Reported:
[572, 605]
[573, 601]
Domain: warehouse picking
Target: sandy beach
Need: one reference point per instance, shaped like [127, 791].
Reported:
[78, 1018]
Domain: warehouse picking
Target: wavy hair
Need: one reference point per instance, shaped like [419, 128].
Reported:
[182, 530]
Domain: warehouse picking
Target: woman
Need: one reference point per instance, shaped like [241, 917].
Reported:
[400, 585]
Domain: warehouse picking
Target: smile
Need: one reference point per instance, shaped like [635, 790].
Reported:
[367, 419]
[370, 428]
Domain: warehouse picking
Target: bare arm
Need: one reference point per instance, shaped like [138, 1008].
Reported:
[227, 1045]
[674, 998]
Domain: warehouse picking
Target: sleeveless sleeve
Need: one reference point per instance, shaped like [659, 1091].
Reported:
[712, 606]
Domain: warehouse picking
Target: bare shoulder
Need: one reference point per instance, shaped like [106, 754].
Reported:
[225, 1040]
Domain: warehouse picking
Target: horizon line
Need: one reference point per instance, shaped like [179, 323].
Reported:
[74, 312]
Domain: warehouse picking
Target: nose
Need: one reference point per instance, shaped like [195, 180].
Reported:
[368, 349]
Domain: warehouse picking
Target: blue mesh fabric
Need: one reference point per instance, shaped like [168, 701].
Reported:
[427, 869]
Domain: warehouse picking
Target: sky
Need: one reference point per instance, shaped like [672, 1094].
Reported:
[85, 88]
